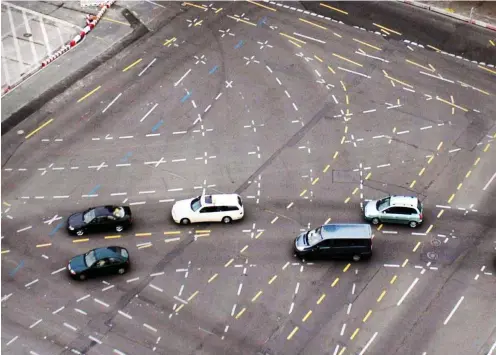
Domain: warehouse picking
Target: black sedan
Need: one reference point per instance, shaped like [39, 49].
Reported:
[99, 262]
[99, 219]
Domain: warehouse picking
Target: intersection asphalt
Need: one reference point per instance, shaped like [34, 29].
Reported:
[307, 119]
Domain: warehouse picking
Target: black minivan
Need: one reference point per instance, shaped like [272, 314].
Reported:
[336, 241]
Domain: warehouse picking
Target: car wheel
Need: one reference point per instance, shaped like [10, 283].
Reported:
[226, 220]
[119, 228]
[375, 221]
[185, 221]
[412, 224]
[80, 232]
[82, 277]
[356, 257]
[121, 271]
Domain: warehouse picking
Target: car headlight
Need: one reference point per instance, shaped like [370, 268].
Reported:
[71, 228]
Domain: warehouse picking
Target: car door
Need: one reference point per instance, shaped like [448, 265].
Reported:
[411, 214]
[341, 248]
[390, 215]
[100, 268]
[110, 223]
[324, 249]
[206, 214]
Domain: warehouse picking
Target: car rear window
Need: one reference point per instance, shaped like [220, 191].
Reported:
[239, 201]
[419, 206]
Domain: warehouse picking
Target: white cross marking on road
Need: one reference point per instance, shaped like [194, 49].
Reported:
[98, 167]
[226, 32]
[201, 59]
[257, 152]
[306, 146]
[251, 59]
[264, 44]
[206, 157]
[204, 186]
[202, 130]
[53, 219]
[254, 126]
[229, 84]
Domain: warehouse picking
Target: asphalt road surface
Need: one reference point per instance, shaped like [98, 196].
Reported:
[307, 119]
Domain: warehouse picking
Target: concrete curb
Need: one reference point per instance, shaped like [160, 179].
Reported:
[25, 111]
[449, 14]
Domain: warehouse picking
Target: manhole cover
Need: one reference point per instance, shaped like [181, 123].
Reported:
[27, 35]
[20, 132]
[436, 242]
[432, 255]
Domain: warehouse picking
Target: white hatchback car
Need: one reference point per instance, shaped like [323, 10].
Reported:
[208, 208]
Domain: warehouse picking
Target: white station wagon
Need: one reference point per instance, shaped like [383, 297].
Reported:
[208, 208]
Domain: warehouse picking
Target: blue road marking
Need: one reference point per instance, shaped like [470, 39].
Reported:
[94, 190]
[185, 97]
[126, 157]
[239, 45]
[263, 21]
[213, 69]
[157, 125]
[13, 272]
[57, 227]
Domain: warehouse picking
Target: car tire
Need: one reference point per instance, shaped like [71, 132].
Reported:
[80, 232]
[375, 221]
[356, 257]
[119, 229]
[226, 220]
[121, 271]
[82, 277]
[185, 221]
[413, 224]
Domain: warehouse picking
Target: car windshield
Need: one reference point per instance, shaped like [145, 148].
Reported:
[382, 204]
[89, 216]
[90, 258]
[196, 204]
[314, 236]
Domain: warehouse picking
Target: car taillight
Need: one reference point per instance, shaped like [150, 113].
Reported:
[421, 216]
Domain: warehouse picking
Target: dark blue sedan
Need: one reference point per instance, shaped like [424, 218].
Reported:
[99, 262]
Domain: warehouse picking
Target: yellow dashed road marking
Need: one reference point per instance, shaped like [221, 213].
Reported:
[172, 233]
[272, 279]
[331, 70]
[381, 296]
[192, 296]
[367, 316]
[421, 66]
[404, 263]
[89, 94]
[346, 59]
[451, 198]
[333, 8]
[180, 307]
[489, 70]
[393, 279]
[354, 333]
[244, 248]
[240, 313]
[318, 58]
[40, 127]
[367, 44]
[5, 251]
[319, 301]
[239, 19]
[194, 5]
[387, 29]
[256, 296]
[132, 65]
[80, 240]
[212, 278]
[43, 245]
[312, 23]
[229, 263]
[315, 181]
[416, 246]
[413, 183]
[142, 234]
[432, 47]
[346, 267]
[335, 282]
[326, 168]
[309, 313]
[292, 333]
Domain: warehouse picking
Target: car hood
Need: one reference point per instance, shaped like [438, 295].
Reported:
[182, 205]
[77, 263]
[370, 208]
[76, 220]
[300, 242]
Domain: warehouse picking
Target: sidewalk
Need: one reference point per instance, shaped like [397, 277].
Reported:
[122, 24]
[484, 11]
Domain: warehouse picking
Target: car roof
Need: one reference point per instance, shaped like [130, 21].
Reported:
[404, 201]
[220, 199]
[346, 231]
[108, 252]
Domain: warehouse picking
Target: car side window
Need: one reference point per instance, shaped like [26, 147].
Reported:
[101, 263]
[411, 211]
[111, 218]
[340, 243]
[403, 210]
[113, 261]
[233, 208]
[389, 210]
[209, 209]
